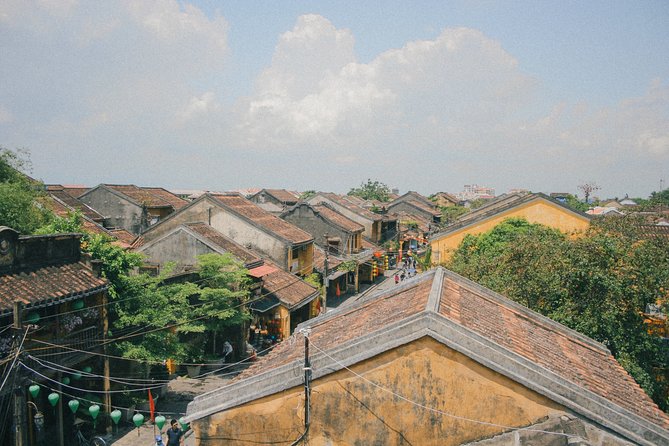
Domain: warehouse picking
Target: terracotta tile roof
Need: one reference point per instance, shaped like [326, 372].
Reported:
[418, 205]
[211, 234]
[149, 196]
[123, 235]
[73, 190]
[167, 196]
[62, 210]
[348, 325]
[559, 351]
[353, 207]
[49, 283]
[338, 219]
[282, 195]
[262, 218]
[319, 260]
[513, 329]
[75, 203]
[289, 289]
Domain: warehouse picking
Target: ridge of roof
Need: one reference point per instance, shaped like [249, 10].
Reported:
[488, 211]
[471, 320]
[260, 218]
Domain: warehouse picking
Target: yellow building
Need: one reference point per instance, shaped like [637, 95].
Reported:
[535, 208]
[437, 360]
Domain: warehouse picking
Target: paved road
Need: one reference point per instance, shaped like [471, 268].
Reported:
[180, 392]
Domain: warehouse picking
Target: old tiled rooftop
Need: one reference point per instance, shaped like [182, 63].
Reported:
[149, 196]
[515, 329]
[224, 243]
[77, 204]
[338, 219]
[50, 283]
[282, 195]
[262, 218]
[288, 288]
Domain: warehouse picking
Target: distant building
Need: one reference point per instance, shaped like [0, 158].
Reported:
[475, 192]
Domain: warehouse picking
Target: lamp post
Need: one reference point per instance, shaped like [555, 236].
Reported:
[38, 419]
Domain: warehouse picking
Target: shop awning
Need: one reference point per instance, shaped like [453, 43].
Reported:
[261, 271]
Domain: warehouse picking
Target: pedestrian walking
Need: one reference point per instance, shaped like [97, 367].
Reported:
[227, 350]
[397, 278]
[174, 434]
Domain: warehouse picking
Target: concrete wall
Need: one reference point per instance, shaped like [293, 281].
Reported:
[538, 211]
[118, 211]
[246, 234]
[304, 218]
[180, 247]
[233, 227]
[349, 410]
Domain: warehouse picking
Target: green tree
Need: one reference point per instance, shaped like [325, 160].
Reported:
[371, 190]
[451, 213]
[20, 208]
[307, 194]
[598, 284]
[180, 320]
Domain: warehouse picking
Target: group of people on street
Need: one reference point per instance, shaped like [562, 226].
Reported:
[174, 435]
[408, 270]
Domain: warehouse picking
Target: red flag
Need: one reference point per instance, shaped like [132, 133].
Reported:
[152, 407]
[338, 291]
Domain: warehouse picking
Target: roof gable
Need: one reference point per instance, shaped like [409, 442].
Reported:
[260, 218]
[500, 334]
[502, 205]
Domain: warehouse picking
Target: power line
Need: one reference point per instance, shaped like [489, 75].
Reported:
[16, 356]
[431, 409]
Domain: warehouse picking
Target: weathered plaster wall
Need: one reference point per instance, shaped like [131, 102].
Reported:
[248, 235]
[229, 225]
[304, 218]
[541, 212]
[118, 212]
[347, 213]
[347, 410]
[180, 247]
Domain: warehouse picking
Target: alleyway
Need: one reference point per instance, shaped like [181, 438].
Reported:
[180, 392]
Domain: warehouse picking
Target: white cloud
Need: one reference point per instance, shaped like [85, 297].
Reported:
[198, 107]
[135, 82]
[316, 92]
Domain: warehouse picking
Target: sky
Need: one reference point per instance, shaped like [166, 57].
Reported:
[421, 95]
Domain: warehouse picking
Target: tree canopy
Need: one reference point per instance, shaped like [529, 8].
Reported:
[598, 284]
[19, 205]
[371, 190]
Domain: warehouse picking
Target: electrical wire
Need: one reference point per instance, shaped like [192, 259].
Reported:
[16, 356]
[141, 331]
[431, 409]
[143, 389]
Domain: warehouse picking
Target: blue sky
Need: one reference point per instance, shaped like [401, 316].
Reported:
[302, 95]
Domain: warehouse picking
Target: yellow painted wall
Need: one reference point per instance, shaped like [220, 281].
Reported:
[348, 410]
[538, 211]
[305, 259]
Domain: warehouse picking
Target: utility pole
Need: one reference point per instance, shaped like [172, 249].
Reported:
[106, 383]
[326, 282]
[307, 382]
[19, 400]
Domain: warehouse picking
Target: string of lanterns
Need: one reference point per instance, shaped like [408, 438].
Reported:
[94, 409]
